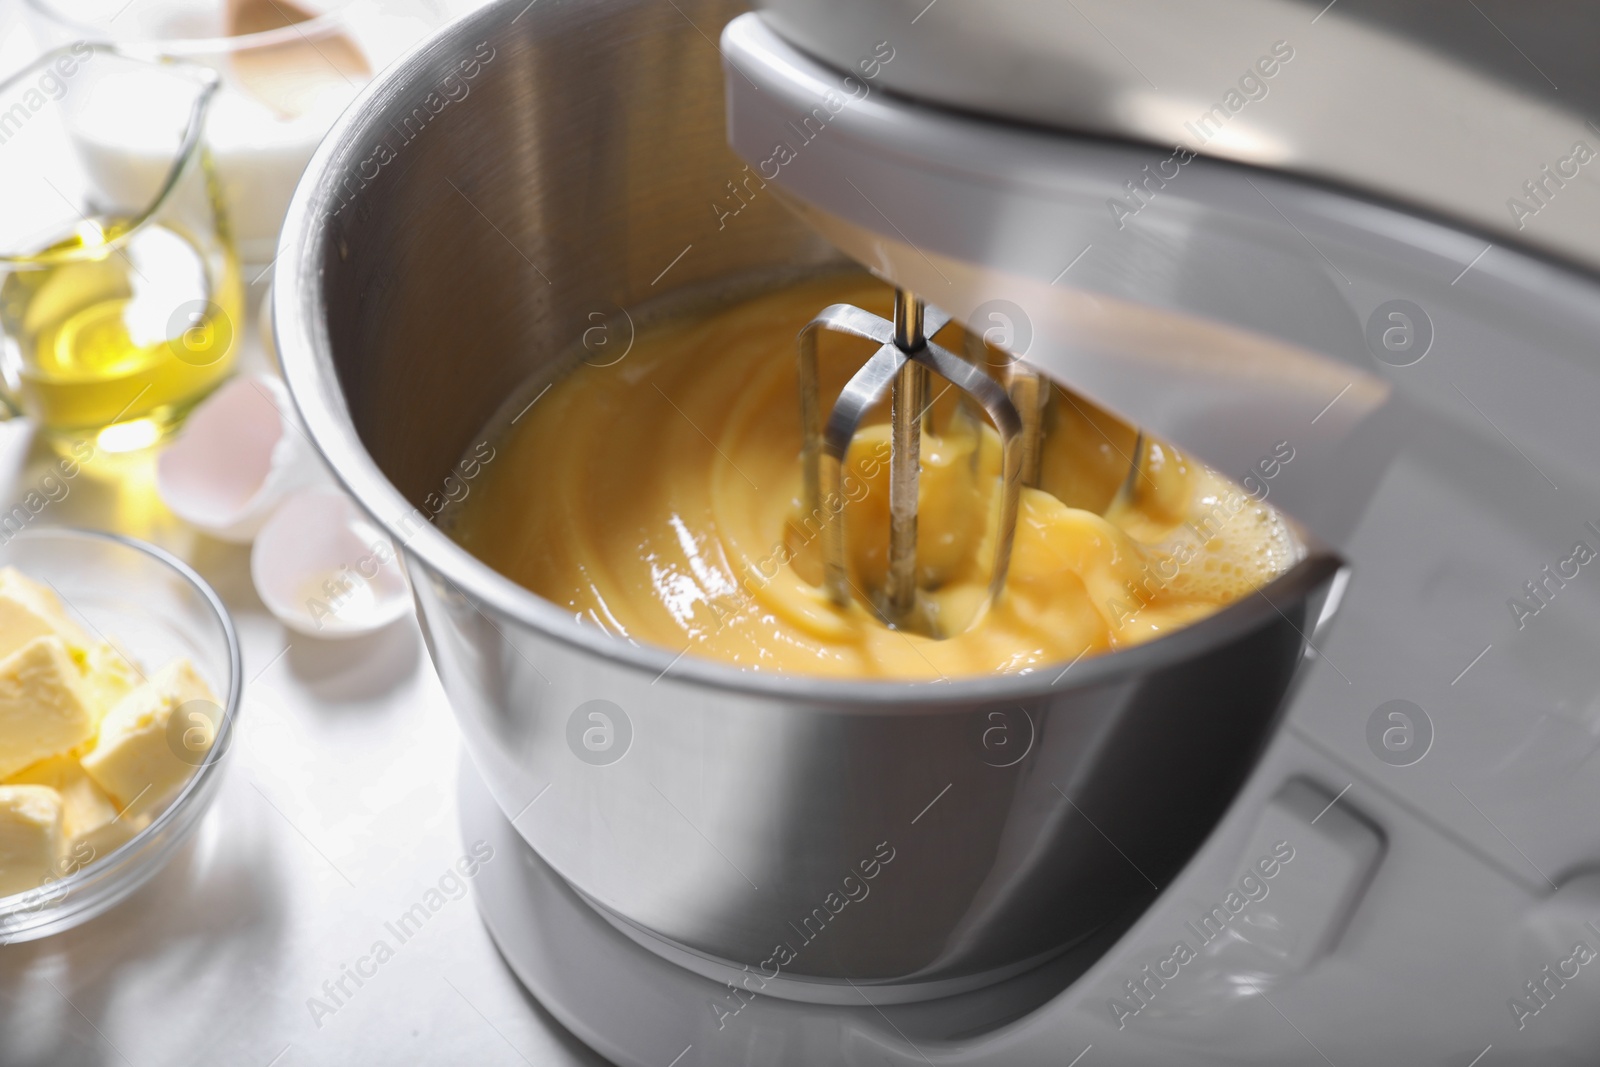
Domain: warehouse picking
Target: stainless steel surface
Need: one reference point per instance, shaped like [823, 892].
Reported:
[822, 462]
[408, 307]
[1030, 394]
[1127, 492]
[640, 1007]
[908, 403]
[991, 397]
[1469, 110]
[902, 343]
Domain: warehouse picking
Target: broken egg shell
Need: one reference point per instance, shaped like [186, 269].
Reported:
[239, 454]
[325, 570]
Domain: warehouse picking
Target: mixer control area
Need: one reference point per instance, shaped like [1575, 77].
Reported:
[1302, 870]
[1335, 852]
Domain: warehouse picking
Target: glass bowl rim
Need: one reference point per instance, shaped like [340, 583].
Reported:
[107, 867]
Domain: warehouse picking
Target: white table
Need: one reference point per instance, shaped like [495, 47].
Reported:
[337, 813]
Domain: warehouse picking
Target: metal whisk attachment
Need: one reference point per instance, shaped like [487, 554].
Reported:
[902, 365]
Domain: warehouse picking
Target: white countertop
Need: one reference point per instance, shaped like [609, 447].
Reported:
[337, 813]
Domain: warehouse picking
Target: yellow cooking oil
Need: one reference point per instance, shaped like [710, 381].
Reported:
[117, 331]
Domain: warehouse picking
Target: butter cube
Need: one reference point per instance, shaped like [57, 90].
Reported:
[108, 676]
[30, 609]
[30, 836]
[44, 709]
[141, 752]
[91, 826]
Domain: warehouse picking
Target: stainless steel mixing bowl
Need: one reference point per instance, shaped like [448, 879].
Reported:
[530, 172]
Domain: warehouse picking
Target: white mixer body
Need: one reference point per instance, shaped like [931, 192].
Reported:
[1434, 776]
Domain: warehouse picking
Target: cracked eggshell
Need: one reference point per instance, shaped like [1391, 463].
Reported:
[240, 453]
[325, 570]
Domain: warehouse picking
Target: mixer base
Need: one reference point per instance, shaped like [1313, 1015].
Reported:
[639, 1010]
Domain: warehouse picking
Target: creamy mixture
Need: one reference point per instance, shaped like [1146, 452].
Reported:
[659, 498]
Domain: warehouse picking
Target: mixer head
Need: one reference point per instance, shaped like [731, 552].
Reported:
[1005, 225]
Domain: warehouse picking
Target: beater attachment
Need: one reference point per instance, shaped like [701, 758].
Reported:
[902, 365]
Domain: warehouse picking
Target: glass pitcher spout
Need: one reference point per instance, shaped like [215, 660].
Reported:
[119, 283]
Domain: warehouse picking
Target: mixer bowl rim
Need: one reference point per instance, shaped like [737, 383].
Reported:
[301, 338]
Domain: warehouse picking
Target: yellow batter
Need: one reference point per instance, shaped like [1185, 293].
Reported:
[660, 499]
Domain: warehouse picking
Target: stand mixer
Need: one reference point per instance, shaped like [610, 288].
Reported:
[1259, 840]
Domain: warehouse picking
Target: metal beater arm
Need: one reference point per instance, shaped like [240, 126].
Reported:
[846, 319]
[991, 396]
[828, 445]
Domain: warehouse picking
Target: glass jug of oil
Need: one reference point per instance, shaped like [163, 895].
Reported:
[120, 292]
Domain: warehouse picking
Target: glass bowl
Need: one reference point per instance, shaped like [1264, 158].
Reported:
[154, 608]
